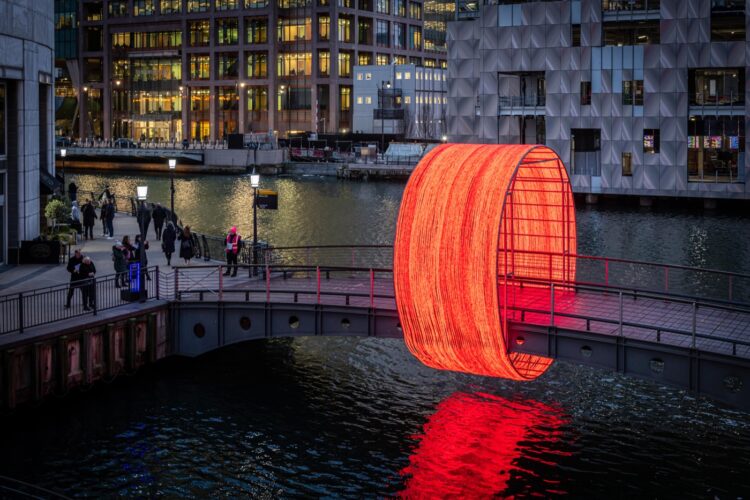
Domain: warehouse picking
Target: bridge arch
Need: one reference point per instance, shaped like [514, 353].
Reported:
[472, 218]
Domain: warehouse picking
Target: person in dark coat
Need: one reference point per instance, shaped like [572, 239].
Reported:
[167, 241]
[89, 216]
[74, 263]
[110, 218]
[87, 272]
[120, 258]
[138, 249]
[159, 215]
[186, 245]
[143, 217]
[73, 191]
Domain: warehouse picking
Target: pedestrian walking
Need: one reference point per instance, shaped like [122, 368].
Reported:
[75, 217]
[89, 216]
[141, 248]
[167, 242]
[87, 272]
[103, 215]
[186, 245]
[74, 264]
[233, 242]
[72, 191]
[120, 257]
[143, 217]
[159, 215]
[110, 220]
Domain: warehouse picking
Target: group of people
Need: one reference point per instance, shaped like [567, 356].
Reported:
[82, 277]
[83, 218]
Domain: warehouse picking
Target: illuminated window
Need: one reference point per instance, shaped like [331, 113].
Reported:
[345, 64]
[294, 30]
[117, 8]
[227, 65]
[415, 10]
[294, 64]
[257, 65]
[359, 100]
[407, 75]
[257, 30]
[651, 140]
[345, 98]
[368, 76]
[324, 28]
[144, 8]
[632, 92]
[586, 93]
[227, 31]
[200, 67]
[293, 4]
[381, 60]
[200, 33]
[227, 4]
[324, 63]
[198, 5]
[256, 4]
[368, 99]
[359, 76]
[383, 6]
[345, 29]
[398, 75]
[407, 99]
[365, 58]
[627, 164]
[257, 99]
[169, 6]
[415, 38]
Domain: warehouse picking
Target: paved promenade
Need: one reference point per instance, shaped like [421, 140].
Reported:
[28, 277]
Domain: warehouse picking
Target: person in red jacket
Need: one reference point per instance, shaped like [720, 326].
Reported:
[232, 249]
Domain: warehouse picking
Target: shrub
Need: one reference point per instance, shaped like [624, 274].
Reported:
[58, 211]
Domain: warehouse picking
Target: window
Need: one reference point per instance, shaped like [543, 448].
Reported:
[368, 100]
[585, 93]
[347, 4]
[586, 139]
[631, 33]
[345, 29]
[382, 33]
[365, 31]
[359, 100]
[381, 60]
[294, 64]
[399, 59]
[257, 30]
[651, 140]
[365, 59]
[630, 5]
[227, 4]
[324, 28]
[257, 99]
[324, 63]
[121, 69]
[415, 10]
[383, 6]
[295, 98]
[716, 86]
[200, 33]
[294, 30]
[727, 20]
[407, 75]
[400, 7]
[345, 98]
[227, 31]
[399, 36]
[575, 35]
[93, 69]
[144, 8]
[398, 75]
[415, 38]
[93, 39]
[3, 118]
[368, 76]
[198, 5]
[256, 4]
[169, 6]
[200, 67]
[227, 65]
[156, 69]
[627, 164]
[118, 8]
[257, 65]
[632, 92]
[157, 40]
[293, 4]
[345, 64]
[716, 146]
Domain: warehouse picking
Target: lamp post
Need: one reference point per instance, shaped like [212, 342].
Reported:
[383, 85]
[142, 195]
[63, 154]
[255, 183]
[172, 166]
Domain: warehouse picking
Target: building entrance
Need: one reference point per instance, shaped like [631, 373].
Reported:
[159, 130]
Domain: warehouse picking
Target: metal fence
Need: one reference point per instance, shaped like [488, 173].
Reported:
[23, 310]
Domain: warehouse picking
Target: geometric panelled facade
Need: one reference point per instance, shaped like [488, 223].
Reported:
[644, 98]
[203, 69]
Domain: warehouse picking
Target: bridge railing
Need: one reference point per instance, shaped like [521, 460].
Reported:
[23, 310]
[346, 286]
[684, 281]
[355, 256]
[624, 312]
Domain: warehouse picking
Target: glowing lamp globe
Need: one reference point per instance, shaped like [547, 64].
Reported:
[472, 219]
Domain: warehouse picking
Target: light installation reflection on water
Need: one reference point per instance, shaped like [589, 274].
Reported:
[473, 445]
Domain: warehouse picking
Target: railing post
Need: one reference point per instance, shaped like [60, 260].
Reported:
[620, 297]
[268, 283]
[20, 312]
[606, 272]
[372, 289]
[695, 320]
[317, 273]
[157, 282]
[221, 282]
[552, 305]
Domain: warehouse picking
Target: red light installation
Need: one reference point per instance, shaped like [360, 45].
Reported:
[472, 218]
[471, 445]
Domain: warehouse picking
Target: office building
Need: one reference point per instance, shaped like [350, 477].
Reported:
[641, 97]
[404, 100]
[203, 69]
[26, 116]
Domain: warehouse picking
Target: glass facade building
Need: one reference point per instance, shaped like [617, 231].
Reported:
[642, 97]
[204, 69]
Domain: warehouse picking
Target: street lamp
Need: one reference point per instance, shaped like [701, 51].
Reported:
[142, 195]
[444, 138]
[386, 84]
[172, 166]
[255, 183]
[63, 154]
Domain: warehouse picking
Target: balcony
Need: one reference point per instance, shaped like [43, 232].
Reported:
[522, 105]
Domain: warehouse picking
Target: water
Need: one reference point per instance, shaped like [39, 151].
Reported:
[326, 417]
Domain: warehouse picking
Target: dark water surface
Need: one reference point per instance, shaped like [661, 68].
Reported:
[326, 417]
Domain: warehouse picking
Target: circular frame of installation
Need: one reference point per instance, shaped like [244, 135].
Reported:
[474, 220]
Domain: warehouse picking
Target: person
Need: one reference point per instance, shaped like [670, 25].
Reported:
[103, 215]
[186, 245]
[159, 216]
[73, 191]
[75, 217]
[129, 249]
[87, 272]
[106, 195]
[110, 220]
[232, 249]
[120, 256]
[144, 217]
[185, 143]
[138, 249]
[89, 216]
[167, 242]
[74, 263]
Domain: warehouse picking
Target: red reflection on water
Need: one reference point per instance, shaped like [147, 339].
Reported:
[470, 445]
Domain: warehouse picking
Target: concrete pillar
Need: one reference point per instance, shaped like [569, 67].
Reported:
[242, 111]
[214, 95]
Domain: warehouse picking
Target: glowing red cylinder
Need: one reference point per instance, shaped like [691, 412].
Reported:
[471, 217]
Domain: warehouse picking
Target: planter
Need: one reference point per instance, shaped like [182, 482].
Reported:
[40, 252]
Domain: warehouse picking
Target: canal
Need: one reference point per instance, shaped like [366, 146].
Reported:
[361, 417]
